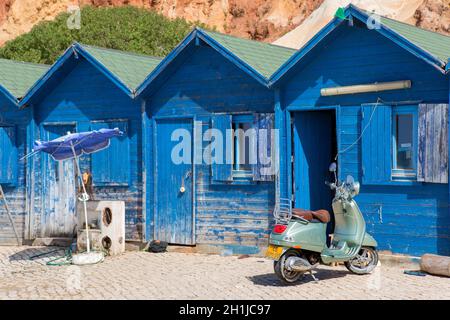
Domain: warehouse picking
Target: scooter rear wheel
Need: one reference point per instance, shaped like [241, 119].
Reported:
[364, 262]
[285, 275]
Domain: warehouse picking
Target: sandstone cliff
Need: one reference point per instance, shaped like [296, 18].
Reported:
[265, 20]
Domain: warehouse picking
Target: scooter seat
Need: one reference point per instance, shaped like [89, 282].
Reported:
[321, 215]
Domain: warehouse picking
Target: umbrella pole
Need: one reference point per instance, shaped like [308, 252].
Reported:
[84, 198]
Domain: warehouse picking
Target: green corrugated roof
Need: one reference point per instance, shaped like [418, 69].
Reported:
[130, 68]
[435, 43]
[17, 77]
[265, 58]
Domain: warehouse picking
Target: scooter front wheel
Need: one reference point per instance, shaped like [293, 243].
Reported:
[285, 275]
[365, 261]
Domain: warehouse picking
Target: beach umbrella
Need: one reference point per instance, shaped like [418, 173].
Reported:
[72, 146]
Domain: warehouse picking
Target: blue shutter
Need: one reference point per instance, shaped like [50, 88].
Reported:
[111, 166]
[432, 164]
[222, 171]
[8, 155]
[265, 141]
[376, 144]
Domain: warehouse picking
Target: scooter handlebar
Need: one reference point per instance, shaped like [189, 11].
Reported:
[331, 185]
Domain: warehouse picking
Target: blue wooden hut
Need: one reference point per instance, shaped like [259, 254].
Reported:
[374, 92]
[369, 92]
[87, 88]
[15, 79]
[219, 82]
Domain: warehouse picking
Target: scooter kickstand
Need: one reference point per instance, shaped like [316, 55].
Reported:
[316, 280]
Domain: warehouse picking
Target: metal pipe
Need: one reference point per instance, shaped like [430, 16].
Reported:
[364, 88]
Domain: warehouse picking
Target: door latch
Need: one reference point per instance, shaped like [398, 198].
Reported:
[186, 176]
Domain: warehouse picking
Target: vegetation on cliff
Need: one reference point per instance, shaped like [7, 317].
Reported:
[123, 28]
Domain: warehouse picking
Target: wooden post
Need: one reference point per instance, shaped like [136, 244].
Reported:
[434, 264]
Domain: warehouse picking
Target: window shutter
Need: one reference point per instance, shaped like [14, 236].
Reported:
[8, 155]
[111, 166]
[264, 168]
[376, 144]
[432, 164]
[223, 171]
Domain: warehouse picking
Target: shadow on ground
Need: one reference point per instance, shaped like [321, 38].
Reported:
[31, 254]
[271, 280]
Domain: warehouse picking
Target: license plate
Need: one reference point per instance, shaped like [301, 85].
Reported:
[274, 252]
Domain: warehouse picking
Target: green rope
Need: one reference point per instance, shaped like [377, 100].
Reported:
[67, 259]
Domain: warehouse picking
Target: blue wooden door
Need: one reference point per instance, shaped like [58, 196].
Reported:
[58, 189]
[314, 150]
[173, 219]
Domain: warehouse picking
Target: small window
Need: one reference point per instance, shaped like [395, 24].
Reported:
[404, 142]
[246, 137]
[243, 136]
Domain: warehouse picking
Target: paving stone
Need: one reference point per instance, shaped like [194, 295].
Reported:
[172, 275]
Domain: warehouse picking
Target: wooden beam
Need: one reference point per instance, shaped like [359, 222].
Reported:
[434, 264]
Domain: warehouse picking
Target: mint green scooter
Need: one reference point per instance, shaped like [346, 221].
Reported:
[298, 242]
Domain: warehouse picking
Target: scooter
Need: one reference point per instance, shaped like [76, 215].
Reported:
[298, 242]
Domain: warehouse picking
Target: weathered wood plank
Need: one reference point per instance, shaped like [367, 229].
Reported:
[433, 143]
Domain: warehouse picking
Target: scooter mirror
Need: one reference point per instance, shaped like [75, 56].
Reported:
[332, 167]
[350, 180]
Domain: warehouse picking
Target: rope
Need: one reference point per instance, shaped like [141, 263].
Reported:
[67, 256]
[362, 131]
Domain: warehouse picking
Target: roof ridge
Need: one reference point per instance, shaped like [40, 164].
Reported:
[417, 27]
[131, 53]
[402, 22]
[42, 65]
[250, 40]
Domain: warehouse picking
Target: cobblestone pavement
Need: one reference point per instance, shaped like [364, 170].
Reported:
[143, 275]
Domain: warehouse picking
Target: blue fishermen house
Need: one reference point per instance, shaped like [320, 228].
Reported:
[210, 81]
[87, 88]
[368, 92]
[374, 92]
[15, 79]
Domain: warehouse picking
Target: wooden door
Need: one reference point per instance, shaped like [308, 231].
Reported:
[173, 219]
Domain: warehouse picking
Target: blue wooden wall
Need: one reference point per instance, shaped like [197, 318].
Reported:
[15, 193]
[410, 219]
[82, 95]
[404, 218]
[234, 216]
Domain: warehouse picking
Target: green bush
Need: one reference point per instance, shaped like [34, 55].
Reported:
[123, 28]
